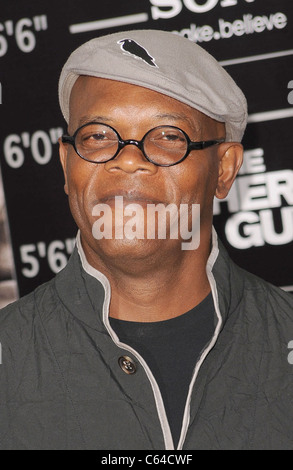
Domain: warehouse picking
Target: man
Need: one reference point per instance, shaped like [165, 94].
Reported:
[148, 339]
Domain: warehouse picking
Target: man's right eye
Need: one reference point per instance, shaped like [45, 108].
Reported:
[93, 138]
[97, 136]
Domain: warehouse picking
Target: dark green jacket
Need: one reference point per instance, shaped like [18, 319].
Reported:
[62, 385]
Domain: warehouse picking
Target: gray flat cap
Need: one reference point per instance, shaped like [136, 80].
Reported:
[161, 61]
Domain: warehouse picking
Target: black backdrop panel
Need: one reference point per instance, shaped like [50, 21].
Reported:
[253, 39]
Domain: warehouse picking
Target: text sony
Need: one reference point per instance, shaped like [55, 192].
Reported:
[169, 8]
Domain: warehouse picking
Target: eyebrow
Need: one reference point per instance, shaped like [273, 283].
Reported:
[86, 119]
[170, 116]
[173, 116]
[180, 117]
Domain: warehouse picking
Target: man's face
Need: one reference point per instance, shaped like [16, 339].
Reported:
[132, 111]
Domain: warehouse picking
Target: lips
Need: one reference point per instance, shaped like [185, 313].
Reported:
[129, 197]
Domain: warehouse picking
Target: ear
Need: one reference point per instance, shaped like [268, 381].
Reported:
[230, 155]
[63, 160]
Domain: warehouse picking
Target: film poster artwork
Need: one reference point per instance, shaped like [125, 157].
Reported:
[8, 285]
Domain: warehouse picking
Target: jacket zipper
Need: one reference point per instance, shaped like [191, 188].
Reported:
[212, 258]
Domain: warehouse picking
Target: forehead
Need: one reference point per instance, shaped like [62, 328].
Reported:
[92, 96]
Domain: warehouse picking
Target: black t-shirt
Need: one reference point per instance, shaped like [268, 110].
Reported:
[171, 348]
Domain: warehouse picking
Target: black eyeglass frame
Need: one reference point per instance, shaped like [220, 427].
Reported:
[191, 145]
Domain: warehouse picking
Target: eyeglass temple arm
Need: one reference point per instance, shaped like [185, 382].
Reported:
[67, 139]
[204, 144]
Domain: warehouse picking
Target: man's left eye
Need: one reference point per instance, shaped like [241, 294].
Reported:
[98, 136]
[171, 137]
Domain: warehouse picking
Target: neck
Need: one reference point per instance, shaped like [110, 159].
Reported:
[155, 289]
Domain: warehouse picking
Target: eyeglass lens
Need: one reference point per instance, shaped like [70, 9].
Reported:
[99, 143]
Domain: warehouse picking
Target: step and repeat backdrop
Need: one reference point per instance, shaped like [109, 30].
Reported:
[252, 39]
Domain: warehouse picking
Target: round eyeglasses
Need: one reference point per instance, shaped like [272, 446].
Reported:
[163, 145]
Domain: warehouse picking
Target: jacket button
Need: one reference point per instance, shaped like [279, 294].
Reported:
[127, 365]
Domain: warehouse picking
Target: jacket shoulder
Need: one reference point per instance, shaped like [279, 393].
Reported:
[271, 296]
[23, 310]
[44, 298]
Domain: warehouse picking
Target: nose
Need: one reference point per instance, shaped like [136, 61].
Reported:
[131, 159]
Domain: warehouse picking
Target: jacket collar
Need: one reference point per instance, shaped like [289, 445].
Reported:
[83, 290]
[228, 277]
[86, 292]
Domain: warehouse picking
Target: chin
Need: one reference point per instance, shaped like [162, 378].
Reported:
[126, 247]
[136, 250]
